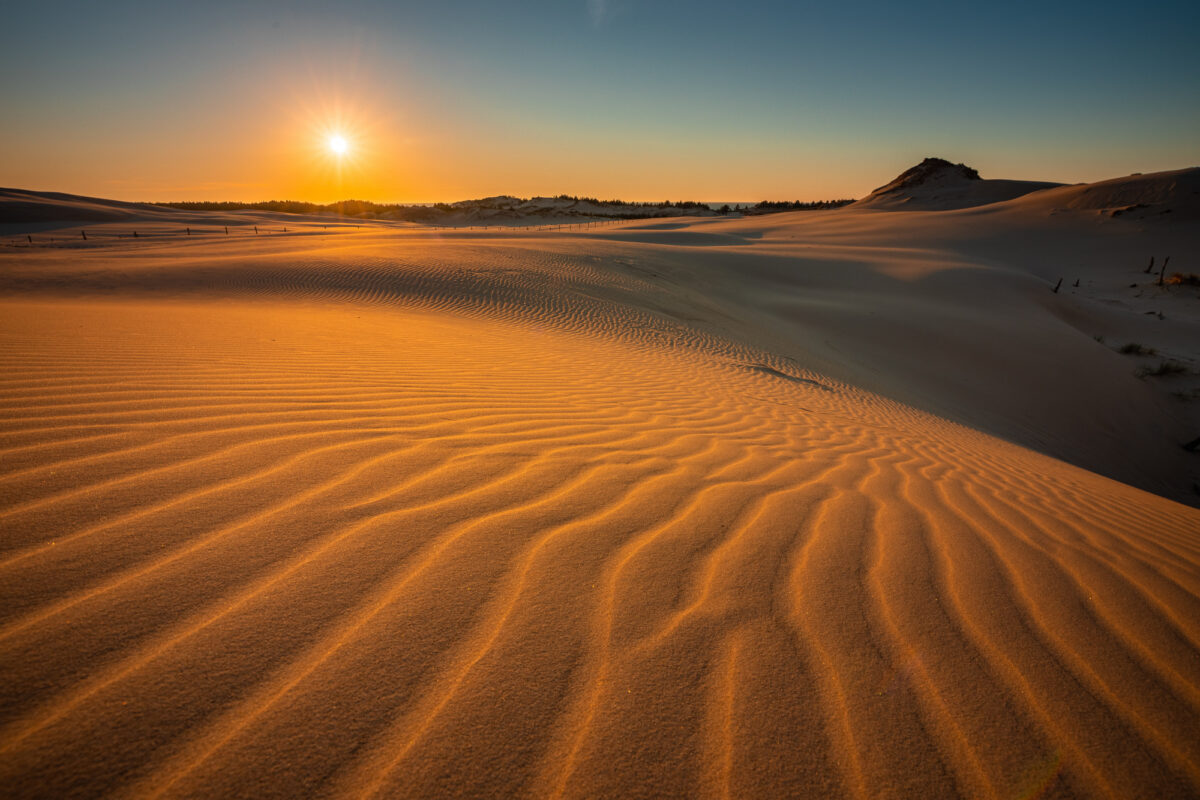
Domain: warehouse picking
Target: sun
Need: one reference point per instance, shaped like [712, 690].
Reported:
[338, 145]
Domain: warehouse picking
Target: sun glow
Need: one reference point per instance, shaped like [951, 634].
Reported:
[335, 144]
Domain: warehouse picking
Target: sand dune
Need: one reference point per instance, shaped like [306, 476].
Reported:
[937, 185]
[674, 510]
[18, 207]
[1153, 196]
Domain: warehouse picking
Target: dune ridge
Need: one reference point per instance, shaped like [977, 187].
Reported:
[938, 185]
[391, 513]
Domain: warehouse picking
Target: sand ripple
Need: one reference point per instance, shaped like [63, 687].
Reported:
[487, 526]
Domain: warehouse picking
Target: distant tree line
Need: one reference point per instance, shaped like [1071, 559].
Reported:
[364, 209]
[774, 206]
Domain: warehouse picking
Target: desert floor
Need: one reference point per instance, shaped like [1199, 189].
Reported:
[808, 505]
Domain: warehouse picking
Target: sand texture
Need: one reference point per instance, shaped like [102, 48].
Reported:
[822, 504]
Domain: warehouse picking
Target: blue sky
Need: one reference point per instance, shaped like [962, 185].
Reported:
[643, 100]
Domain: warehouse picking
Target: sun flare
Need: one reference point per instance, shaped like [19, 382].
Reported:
[338, 145]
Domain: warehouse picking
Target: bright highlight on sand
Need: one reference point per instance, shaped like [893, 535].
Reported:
[338, 145]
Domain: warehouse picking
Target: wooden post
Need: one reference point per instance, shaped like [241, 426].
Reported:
[135, 234]
[256, 230]
[84, 234]
[1163, 270]
[1057, 285]
[226, 230]
[1150, 266]
[189, 231]
[30, 238]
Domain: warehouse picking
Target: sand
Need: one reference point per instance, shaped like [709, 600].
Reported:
[809, 505]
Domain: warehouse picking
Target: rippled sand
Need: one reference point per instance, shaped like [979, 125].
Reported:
[380, 513]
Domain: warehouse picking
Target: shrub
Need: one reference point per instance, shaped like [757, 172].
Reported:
[1164, 368]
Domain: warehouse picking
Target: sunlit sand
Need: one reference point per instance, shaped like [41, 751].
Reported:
[838, 503]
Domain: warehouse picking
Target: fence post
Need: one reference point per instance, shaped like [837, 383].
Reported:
[84, 234]
[189, 231]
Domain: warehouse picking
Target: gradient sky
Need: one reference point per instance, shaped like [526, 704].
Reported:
[637, 99]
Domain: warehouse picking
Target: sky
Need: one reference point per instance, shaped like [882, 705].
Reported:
[630, 99]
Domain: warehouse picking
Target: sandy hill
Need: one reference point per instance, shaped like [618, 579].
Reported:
[23, 212]
[819, 504]
[938, 185]
[21, 207]
[1164, 196]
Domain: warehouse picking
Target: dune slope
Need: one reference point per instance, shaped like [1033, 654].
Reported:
[392, 513]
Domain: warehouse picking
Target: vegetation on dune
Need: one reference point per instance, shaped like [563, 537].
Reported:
[1163, 369]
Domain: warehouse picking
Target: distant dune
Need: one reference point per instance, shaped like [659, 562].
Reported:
[22, 207]
[937, 185]
[817, 504]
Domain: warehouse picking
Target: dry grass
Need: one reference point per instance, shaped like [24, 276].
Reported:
[1164, 368]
